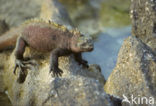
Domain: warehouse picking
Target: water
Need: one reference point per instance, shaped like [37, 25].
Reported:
[107, 47]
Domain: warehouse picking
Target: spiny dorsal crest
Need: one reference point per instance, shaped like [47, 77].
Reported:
[38, 20]
[62, 27]
[75, 31]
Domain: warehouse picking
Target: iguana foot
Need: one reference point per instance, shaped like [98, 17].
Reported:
[22, 65]
[56, 72]
[84, 63]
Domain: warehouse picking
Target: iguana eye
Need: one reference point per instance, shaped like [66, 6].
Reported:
[80, 39]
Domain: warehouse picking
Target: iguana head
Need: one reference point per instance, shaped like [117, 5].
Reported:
[81, 43]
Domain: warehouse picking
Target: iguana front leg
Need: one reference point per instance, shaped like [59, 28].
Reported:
[19, 60]
[78, 58]
[54, 61]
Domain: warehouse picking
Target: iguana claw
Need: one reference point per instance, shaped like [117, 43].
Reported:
[22, 65]
[56, 72]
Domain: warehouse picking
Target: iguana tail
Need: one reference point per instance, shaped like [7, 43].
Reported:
[8, 39]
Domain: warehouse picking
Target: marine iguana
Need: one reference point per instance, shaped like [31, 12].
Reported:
[47, 37]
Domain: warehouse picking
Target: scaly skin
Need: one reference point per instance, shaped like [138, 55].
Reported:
[53, 38]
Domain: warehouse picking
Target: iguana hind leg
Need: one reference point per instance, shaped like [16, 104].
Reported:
[19, 51]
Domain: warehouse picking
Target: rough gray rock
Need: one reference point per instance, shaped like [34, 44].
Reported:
[15, 12]
[75, 87]
[135, 71]
[143, 14]
[72, 90]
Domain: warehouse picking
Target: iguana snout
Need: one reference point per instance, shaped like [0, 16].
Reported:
[85, 43]
[82, 43]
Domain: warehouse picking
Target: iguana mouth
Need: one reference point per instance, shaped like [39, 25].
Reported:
[91, 48]
[88, 47]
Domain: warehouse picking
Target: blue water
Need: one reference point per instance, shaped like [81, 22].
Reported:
[106, 48]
